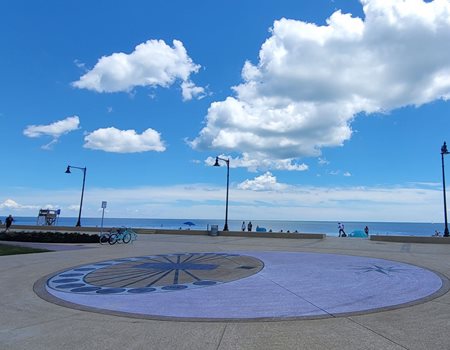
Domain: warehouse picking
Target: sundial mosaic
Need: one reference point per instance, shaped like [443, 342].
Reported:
[156, 273]
[256, 285]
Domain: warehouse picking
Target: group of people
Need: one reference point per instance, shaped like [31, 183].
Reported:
[342, 231]
[249, 226]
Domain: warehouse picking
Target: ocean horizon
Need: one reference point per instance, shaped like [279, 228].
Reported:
[328, 227]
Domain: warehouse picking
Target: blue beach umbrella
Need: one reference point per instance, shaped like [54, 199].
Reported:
[189, 223]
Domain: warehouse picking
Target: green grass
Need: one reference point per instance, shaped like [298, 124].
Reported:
[12, 250]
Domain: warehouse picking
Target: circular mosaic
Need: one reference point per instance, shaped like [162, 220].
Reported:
[157, 273]
[229, 286]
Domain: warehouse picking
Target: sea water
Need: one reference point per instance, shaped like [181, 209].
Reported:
[328, 227]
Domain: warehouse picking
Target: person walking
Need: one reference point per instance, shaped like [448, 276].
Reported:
[243, 226]
[249, 226]
[341, 230]
[8, 222]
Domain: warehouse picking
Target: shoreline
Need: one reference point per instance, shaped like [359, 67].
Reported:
[288, 235]
[330, 228]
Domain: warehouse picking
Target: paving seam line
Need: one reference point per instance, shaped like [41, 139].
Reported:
[377, 333]
[299, 296]
[221, 337]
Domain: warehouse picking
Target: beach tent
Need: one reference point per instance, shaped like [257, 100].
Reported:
[357, 234]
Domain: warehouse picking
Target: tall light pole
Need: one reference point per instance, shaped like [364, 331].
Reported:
[82, 189]
[225, 227]
[444, 151]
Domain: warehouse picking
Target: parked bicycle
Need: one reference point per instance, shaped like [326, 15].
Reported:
[104, 237]
[118, 235]
[122, 235]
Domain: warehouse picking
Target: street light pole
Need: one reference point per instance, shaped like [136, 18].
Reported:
[444, 151]
[82, 190]
[227, 161]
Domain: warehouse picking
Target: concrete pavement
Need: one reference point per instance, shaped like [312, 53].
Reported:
[29, 322]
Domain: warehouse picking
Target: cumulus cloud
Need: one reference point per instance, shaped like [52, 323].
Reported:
[124, 141]
[189, 90]
[153, 63]
[259, 162]
[11, 204]
[265, 182]
[311, 81]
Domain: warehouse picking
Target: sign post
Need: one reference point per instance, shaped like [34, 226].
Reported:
[103, 214]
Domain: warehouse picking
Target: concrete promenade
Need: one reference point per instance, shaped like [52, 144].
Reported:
[29, 322]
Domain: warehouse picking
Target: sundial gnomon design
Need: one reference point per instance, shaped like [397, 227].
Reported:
[157, 273]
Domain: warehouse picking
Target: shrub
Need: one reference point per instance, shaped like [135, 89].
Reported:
[49, 237]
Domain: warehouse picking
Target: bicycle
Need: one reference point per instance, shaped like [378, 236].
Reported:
[124, 234]
[104, 237]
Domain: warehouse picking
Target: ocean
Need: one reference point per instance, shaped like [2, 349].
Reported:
[328, 227]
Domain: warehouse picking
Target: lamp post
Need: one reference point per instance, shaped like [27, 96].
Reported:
[82, 189]
[225, 227]
[444, 151]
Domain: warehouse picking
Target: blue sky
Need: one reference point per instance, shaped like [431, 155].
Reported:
[328, 110]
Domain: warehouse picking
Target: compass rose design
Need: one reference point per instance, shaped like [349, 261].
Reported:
[385, 270]
[158, 273]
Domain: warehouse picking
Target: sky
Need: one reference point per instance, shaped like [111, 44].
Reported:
[327, 110]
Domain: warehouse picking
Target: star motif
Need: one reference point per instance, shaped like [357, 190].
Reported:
[379, 269]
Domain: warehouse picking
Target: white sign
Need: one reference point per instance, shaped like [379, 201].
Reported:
[104, 204]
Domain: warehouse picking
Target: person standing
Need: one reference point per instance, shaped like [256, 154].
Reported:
[8, 222]
[243, 226]
[341, 230]
[366, 230]
[249, 226]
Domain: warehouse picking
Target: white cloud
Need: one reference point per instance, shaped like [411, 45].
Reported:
[51, 207]
[258, 162]
[411, 203]
[11, 204]
[55, 129]
[189, 91]
[338, 172]
[49, 145]
[265, 182]
[124, 141]
[311, 81]
[73, 207]
[323, 161]
[153, 63]
[80, 64]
